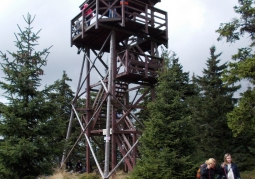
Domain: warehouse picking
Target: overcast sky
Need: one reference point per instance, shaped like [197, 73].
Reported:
[192, 25]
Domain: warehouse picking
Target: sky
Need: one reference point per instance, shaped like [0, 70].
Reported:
[191, 23]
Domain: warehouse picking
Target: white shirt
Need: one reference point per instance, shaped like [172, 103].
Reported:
[230, 172]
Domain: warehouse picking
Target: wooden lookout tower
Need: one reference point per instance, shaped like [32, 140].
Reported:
[120, 45]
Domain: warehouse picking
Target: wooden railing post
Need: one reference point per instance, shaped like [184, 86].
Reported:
[97, 11]
[83, 24]
[123, 14]
[147, 20]
[146, 66]
[71, 33]
[126, 61]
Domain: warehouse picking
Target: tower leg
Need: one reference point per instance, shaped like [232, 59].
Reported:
[109, 107]
[88, 111]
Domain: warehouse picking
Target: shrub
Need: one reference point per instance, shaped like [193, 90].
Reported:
[248, 174]
[29, 177]
[89, 176]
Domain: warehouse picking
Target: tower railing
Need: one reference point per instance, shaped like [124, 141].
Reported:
[135, 11]
[137, 63]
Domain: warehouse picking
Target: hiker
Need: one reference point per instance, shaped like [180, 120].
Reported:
[208, 169]
[125, 2]
[69, 166]
[78, 166]
[88, 14]
[111, 12]
[228, 169]
[77, 27]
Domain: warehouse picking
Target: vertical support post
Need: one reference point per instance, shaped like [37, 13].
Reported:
[126, 54]
[88, 112]
[146, 66]
[83, 24]
[152, 17]
[134, 150]
[114, 111]
[71, 33]
[123, 13]
[126, 102]
[97, 11]
[109, 106]
[166, 31]
[147, 19]
[153, 92]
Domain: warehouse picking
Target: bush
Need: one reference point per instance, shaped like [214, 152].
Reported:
[29, 177]
[89, 176]
[248, 174]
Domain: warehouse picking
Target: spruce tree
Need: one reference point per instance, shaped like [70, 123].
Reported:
[166, 144]
[28, 126]
[61, 96]
[210, 109]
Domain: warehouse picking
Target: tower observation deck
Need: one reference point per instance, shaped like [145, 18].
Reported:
[121, 60]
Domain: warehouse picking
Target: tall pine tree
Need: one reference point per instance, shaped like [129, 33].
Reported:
[61, 96]
[210, 109]
[27, 124]
[166, 145]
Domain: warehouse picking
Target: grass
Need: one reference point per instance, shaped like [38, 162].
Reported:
[67, 175]
[120, 175]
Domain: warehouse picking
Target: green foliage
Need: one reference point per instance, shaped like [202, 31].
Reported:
[89, 176]
[30, 125]
[237, 28]
[166, 144]
[241, 119]
[248, 174]
[243, 115]
[28, 177]
[215, 100]
[242, 68]
[61, 97]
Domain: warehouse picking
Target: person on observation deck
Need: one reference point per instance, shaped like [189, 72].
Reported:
[88, 13]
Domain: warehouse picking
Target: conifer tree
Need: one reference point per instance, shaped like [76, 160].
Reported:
[166, 145]
[27, 124]
[61, 97]
[210, 109]
[241, 119]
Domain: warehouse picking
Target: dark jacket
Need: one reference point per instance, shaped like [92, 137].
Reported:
[223, 172]
[207, 173]
[78, 166]
[69, 165]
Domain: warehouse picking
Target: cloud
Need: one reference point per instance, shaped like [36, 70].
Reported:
[191, 24]
[184, 15]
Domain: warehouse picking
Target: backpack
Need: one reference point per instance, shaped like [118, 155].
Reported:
[198, 172]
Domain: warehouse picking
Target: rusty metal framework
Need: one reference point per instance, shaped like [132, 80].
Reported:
[124, 40]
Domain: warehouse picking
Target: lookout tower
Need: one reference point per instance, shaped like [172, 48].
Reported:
[120, 45]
